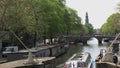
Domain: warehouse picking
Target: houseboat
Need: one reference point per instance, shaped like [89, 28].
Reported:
[79, 61]
[12, 53]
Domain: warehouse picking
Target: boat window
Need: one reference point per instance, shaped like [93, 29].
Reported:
[81, 64]
[69, 65]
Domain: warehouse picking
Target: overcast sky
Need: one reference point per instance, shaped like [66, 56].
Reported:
[98, 10]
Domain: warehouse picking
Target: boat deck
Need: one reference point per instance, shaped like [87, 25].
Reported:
[82, 57]
[79, 61]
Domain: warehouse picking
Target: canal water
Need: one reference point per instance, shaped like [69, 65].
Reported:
[92, 46]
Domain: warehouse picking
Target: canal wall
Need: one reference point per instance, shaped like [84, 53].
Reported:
[46, 62]
[106, 65]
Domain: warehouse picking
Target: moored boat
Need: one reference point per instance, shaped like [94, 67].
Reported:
[111, 57]
[79, 61]
[12, 53]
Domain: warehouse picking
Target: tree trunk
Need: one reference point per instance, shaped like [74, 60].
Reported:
[35, 37]
[51, 39]
[44, 39]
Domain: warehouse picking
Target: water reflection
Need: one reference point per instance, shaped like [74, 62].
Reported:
[92, 46]
[92, 41]
[94, 50]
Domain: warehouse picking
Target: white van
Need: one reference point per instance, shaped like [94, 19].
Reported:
[10, 49]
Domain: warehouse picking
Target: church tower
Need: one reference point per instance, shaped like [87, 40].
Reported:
[86, 18]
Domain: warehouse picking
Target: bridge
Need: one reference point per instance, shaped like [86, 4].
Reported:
[84, 38]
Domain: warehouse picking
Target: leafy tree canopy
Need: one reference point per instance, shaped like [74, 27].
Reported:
[35, 18]
[112, 24]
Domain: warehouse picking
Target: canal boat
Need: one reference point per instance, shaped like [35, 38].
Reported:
[12, 53]
[79, 60]
[111, 58]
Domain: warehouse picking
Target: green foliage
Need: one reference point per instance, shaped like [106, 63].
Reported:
[29, 18]
[89, 27]
[112, 25]
[72, 21]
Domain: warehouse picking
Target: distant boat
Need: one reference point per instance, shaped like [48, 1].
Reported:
[79, 61]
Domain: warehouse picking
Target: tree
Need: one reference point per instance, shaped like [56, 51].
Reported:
[31, 19]
[89, 28]
[112, 25]
[72, 21]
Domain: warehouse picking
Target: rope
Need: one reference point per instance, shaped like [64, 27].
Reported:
[24, 46]
[19, 40]
[12, 31]
[110, 47]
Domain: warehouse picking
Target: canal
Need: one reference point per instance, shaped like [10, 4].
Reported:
[92, 46]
